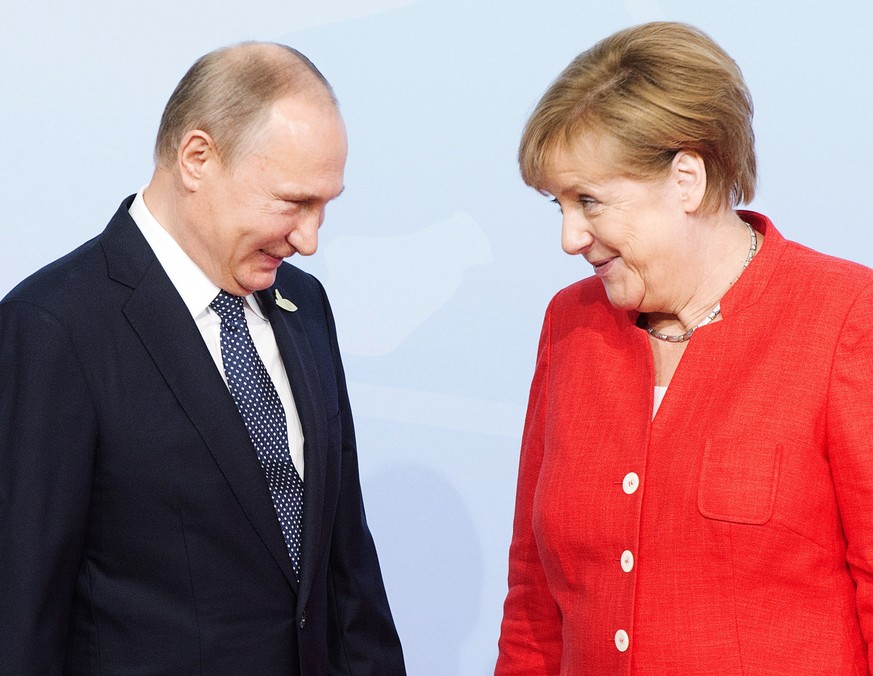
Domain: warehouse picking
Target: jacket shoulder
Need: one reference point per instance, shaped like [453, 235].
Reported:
[824, 265]
[61, 279]
[81, 275]
[820, 279]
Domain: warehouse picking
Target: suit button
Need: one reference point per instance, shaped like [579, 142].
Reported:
[303, 619]
[627, 561]
[621, 640]
[630, 483]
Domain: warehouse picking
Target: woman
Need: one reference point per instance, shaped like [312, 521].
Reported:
[695, 490]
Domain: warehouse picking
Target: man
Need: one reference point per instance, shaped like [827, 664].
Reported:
[172, 391]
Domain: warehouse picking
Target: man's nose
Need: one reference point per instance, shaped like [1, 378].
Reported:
[304, 237]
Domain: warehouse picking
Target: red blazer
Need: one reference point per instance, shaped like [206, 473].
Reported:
[732, 534]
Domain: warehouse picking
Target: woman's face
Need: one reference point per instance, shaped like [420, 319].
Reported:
[634, 233]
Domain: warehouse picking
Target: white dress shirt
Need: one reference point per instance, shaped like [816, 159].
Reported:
[197, 292]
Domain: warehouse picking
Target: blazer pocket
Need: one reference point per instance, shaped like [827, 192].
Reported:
[738, 482]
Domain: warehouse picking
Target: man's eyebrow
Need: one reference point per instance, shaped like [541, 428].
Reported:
[292, 196]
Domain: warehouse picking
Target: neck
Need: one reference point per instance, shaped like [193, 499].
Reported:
[165, 200]
[159, 199]
[724, 250]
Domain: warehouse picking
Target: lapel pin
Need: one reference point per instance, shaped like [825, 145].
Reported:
[284, 303]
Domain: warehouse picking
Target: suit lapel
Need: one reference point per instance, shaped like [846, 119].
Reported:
[299, 361]
[157, 314]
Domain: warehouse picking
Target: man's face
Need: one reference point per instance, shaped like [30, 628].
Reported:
[271, 202]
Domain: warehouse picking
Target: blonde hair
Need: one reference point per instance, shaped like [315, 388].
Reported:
[656, 89]
[228, 93]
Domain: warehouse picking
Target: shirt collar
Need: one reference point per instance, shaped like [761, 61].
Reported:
[755, 278]
[195, 288]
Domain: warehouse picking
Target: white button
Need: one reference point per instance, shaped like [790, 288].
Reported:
[631, 483]
[621, 640]
[627, 561]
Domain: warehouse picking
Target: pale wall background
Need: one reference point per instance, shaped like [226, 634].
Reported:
[438, 260]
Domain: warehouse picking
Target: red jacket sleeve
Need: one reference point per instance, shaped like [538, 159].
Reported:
[530, 636]
[850, 449]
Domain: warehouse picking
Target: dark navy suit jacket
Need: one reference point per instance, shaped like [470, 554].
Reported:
[137, 534]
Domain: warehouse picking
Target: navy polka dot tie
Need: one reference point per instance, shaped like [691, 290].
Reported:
[261, 410]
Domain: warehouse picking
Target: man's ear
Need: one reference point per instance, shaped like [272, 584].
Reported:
[196, 151]
[689, 172]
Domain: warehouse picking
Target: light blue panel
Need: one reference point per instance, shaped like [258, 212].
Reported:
[439, 262]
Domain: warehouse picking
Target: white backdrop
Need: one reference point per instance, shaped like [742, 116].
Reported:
[438, 261]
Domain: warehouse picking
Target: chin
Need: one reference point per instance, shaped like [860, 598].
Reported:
[620, 299]
[257, 282]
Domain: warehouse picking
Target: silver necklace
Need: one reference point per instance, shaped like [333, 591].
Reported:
[716, 311]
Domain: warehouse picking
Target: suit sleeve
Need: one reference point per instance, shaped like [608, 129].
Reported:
[850, 448]
[362, 638]
[47, 441]
[530, 635]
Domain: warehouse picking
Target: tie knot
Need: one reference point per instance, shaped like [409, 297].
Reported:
[228, 307]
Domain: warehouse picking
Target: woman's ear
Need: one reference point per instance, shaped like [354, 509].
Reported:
[689, 172]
